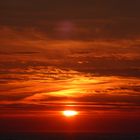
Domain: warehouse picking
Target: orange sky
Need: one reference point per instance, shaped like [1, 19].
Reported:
[79, 55]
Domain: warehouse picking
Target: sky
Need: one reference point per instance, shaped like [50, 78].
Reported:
[82, 55]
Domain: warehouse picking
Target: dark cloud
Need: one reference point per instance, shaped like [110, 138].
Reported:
[91, 19]
[80, 8]
[18, 53]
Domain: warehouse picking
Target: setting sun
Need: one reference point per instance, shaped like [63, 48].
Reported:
[70, 113]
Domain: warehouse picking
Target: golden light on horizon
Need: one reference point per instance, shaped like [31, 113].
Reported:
[70, 113]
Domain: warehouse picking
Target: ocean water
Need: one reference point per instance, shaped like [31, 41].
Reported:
[68, 136]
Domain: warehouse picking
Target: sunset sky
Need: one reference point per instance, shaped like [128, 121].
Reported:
[79, 55]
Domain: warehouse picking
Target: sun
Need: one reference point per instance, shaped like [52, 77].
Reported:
[70, 113]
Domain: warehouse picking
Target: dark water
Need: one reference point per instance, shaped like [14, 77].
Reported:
[68, 136]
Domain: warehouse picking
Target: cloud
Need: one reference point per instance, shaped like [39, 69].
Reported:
[80, 20]
[23, 49]
[43, 88]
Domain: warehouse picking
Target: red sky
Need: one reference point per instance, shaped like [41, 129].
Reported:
[82, 55]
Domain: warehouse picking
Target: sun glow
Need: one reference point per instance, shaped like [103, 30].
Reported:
[70, 113]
